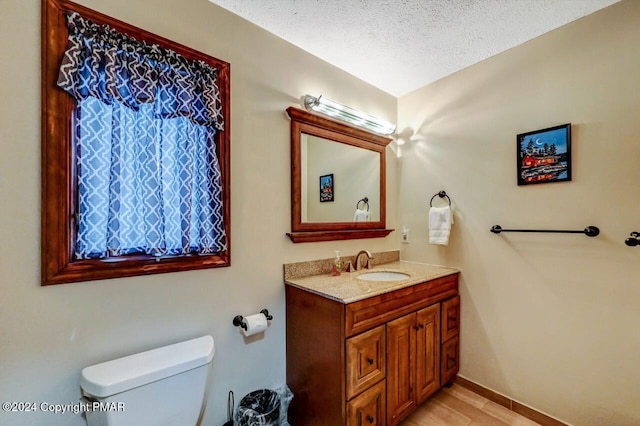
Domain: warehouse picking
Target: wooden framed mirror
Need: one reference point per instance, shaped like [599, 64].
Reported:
[338, 180]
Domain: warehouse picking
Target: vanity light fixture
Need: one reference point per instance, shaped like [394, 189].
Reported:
[352, 116]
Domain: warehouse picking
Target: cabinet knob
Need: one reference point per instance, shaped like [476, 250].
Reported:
[634, 240]
[451, 361]
[370, 361]
[370, 419]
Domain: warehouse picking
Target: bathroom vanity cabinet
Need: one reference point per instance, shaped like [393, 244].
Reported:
[374, 360]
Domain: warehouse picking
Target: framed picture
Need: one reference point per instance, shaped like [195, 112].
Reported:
[326, 188]
[545, 155]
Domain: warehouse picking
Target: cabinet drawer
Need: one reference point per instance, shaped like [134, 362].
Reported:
[450, 360]
[366, 360]
[450, 322]
[369, 408]
[376, 310]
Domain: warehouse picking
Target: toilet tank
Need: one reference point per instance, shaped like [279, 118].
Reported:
[161, 387]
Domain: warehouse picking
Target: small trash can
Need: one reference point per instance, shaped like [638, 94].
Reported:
[259, 408]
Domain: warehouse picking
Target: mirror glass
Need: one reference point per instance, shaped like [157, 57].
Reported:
[338, 182]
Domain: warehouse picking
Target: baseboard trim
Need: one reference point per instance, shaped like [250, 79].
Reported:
[515, 406]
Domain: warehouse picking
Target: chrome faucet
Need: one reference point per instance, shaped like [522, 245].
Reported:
[367, 265]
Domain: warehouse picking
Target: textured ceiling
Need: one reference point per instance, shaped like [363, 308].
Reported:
[402, 45]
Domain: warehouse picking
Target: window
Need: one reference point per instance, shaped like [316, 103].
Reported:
[135, 155]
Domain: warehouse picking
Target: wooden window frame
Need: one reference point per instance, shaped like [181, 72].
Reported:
[58, 207]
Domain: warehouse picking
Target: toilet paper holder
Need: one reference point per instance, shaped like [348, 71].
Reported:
[238, 319]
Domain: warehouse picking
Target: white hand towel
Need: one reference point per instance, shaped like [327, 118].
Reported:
[440, 221]
[361, 216]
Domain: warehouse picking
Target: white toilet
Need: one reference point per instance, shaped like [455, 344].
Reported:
[161, 387]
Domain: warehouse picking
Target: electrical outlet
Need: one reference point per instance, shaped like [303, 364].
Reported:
[405, 236]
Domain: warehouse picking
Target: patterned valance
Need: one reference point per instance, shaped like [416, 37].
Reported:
[102, 63]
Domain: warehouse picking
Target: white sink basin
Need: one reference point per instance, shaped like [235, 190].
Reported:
[383, 276]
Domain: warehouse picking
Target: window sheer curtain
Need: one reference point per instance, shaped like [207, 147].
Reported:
[145, 121]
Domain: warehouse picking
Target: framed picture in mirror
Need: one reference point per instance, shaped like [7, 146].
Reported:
[326, 188]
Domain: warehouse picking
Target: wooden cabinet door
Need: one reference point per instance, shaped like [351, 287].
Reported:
[366, 360]
[401, 349]
[427, 368]
[368, 408]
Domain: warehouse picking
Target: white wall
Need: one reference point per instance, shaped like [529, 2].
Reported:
[549, 320]
[48, 334]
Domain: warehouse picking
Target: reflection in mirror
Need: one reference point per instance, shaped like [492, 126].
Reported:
[334, 168]
[322, 157]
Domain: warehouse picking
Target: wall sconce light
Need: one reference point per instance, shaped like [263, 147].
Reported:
[352, 116]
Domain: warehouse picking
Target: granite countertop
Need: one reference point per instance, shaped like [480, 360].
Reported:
[347, 288]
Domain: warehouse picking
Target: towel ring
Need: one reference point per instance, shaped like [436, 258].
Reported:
[365, 200]
[440, 194]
